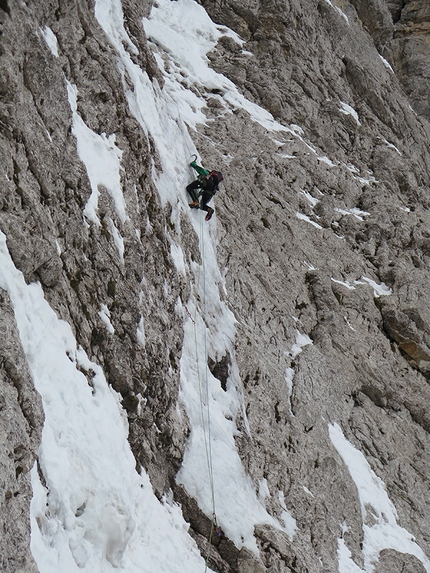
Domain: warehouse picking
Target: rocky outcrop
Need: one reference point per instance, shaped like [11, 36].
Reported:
[322, 231]
[391, 561]
[401, 31]
[47, 187]
[44, 189]
[372, 357]
[21, 419]
[411, 51]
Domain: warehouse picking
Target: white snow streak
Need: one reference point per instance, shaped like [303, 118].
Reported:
[288, 519]
[96, 513]
[104, 314]
[326, 160]
[178, 258]
[101, 157]
[140, 333]
[375, 503]
[386, 64]
[355, 212]
[346, 284]
[378, 289]
[304, 217]
[392, 146]
[185, 33]
[338, 10]
[51, 40]
[348, 110]
[309, 197]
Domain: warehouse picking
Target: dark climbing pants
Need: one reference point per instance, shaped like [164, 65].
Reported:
[194, 189]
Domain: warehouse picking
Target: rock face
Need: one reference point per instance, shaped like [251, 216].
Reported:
[411, 53]
[21, 419]
[314, 232]
[401, 31]
[43, 192]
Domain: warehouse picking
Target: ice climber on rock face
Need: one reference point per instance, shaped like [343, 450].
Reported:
[207, 184]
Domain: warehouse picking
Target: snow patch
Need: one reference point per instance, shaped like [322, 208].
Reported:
[386, 64]
[326, 160]
[348, 110]
[366, 180]
[101, 158]
[96, 512]
[352, 168]
[118, 240]
[297, 129]
[304, 217]
[302, 340]
[289, 521]
[263, 490]
[346, 284]
[51, 40]
[338, 10]
[378, 289]
[140, 333]
[349, 324]
[355, 212]
[392, 146]
[104, 314]
[385, 533]
[309, 197]
[178, 258]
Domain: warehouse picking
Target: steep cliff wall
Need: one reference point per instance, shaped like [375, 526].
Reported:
[310, 282]
[401, 31]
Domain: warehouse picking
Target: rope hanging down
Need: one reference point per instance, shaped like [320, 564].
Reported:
[206, 425]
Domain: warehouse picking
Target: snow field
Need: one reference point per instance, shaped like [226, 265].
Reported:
[95, 513]
[211, 462]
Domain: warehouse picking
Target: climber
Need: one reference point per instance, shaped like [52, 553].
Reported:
[207, 182]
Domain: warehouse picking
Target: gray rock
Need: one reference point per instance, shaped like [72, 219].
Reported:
[248, 563]
[368, 365]
[390, 561]
[21, 419]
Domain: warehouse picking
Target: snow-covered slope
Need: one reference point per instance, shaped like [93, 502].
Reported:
[268, 315]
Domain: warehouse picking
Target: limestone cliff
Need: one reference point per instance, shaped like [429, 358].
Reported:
[321, 231]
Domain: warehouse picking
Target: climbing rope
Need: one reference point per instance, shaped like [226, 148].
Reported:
[210, 460]
[206, 425]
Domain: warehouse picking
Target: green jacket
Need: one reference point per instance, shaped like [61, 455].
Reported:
[200, 170]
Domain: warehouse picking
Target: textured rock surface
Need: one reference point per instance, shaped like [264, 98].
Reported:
[401, 31]
[21, 419]
[411, 52]
[368, 368]
[43, 192]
